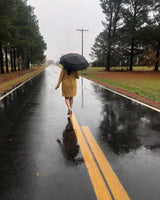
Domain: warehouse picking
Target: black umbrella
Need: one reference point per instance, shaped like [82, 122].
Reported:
[74, 62]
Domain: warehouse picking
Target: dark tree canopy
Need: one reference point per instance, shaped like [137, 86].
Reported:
[127, 25]
[19, 34]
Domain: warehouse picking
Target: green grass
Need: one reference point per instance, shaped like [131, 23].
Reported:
[149, 88]
[91, 70]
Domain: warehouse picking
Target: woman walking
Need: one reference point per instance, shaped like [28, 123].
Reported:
[69, 86]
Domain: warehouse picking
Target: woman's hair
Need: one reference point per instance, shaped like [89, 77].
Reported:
[68, 71]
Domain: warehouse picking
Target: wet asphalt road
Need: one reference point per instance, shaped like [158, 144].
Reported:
[32, 119]
[35, 165]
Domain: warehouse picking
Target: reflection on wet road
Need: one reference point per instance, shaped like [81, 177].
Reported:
[69, 145]
[36, 137]
[129, 135]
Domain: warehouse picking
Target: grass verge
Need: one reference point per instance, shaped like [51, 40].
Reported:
[147, 86]
[8, 81]
[144, 91]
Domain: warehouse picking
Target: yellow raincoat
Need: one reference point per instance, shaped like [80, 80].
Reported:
[69, 84]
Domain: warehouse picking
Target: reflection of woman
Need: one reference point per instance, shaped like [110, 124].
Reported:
[69, 86]
[69, 146]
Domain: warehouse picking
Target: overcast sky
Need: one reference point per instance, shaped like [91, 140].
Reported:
[59, 19]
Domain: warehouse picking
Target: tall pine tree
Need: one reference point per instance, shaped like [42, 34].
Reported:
[113, 13]
[135, 15]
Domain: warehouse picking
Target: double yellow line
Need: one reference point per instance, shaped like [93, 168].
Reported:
[105, 182]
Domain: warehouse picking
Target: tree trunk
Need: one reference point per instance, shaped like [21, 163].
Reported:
[157, 57]
[1, 59]
[108, 60]
[6, 58]
[24, 64]
[116, 17]
[131, 55]
[18, 61]
[14, 59]
[108, 56]
[27, 67]
[157, 63]
[11, 58]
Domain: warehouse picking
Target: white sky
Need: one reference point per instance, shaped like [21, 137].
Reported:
[58, 21]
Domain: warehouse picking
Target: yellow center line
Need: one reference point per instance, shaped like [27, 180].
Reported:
[113, 182]
[100, 188]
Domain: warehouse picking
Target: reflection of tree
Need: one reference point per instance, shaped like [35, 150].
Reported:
[125, 122]
[118, 131]
[69, 147]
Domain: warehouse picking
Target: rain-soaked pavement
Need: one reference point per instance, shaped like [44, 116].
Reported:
[39, 153]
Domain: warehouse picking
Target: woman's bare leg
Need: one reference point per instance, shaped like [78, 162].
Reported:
[71, 101]
[67, 102]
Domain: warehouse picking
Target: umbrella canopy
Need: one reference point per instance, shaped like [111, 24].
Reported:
[74, 62]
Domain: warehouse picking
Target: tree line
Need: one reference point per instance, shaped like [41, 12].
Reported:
[131, 34]
[21, 42]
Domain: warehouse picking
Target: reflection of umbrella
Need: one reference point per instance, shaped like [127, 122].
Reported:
[74, 62]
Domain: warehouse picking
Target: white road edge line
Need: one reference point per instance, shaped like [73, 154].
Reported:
[130, 98]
